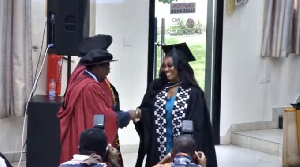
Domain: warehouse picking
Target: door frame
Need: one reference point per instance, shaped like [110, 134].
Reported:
[213, 71]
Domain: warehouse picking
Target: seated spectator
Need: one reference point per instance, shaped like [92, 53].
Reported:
[183, 154]
[3, 161]
[93, 150]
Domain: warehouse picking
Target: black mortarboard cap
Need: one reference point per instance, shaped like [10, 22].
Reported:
[93, 139]
[96, 56]
[100, 41]
[188, 56]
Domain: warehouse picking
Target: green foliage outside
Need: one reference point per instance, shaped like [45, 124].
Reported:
[198, 50]
[182, 29]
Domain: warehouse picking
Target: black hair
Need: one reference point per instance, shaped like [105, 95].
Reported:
[184, 144]
[185, 71]
[83, 151]
[91, 141]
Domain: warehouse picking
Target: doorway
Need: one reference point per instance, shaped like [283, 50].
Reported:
[199, 23]
[183, 21]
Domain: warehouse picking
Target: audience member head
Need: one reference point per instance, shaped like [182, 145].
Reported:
[93, 141]
[184, 144]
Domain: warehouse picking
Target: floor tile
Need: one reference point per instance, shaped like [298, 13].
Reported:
[273, 135]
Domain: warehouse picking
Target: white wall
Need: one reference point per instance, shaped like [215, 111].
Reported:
[243, 98]
[127, 22]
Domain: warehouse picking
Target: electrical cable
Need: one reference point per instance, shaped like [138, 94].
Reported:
[38, 63]
[29, 98]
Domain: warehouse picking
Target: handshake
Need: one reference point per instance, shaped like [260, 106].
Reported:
[135, 114]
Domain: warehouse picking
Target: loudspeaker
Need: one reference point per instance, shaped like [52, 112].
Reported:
[67, 24]
[43, 132]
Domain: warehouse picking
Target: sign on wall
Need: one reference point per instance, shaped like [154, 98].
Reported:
[179, 8]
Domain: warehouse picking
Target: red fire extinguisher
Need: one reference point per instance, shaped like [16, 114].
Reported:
[54, 71]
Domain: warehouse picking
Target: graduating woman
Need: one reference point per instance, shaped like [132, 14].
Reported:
[174, 97]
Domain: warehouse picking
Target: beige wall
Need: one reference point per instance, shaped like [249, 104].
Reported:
[127, 22]
[244, 99]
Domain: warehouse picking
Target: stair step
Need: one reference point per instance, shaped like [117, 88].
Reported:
[268, 141]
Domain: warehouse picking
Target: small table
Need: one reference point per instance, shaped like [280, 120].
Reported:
[43, 132]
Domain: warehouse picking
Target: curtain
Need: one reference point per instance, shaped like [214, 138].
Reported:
[279, 28]
[296, 28]
[16, 60]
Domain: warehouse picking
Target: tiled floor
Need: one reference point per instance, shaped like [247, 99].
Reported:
[228, 156]
[273, 135]
[268, 141]
[233, 156]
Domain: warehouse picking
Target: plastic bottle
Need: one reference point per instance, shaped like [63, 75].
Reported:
[52, 89]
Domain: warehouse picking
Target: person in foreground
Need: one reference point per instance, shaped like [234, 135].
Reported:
[184, 154]
[86, 97]
[93, 150]
[173, 97]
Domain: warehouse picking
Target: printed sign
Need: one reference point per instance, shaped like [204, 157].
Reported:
[179, 8]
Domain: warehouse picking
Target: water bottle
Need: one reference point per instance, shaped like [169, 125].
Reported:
[52, 89]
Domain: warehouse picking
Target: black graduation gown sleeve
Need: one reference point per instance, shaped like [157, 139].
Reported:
[198, 113]
[143, 127]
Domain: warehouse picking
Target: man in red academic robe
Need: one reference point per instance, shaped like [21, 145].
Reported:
[87, 96]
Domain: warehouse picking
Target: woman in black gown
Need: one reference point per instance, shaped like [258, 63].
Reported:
[174, 97]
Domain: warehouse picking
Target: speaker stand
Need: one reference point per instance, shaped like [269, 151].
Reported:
[69, 68]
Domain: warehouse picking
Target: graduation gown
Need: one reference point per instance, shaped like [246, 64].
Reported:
[194, 108]
[83, 99]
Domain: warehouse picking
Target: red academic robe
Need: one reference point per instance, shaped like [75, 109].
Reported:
[77, 74]
[84, 98]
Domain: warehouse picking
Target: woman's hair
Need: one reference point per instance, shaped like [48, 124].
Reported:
[185, 72]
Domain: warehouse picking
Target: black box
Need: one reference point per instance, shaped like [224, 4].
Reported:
[43, 132]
